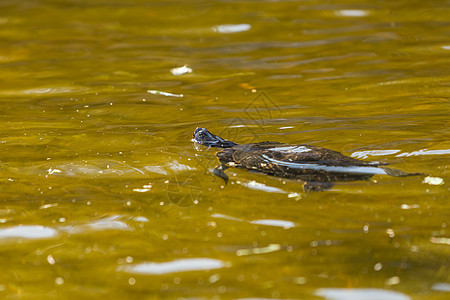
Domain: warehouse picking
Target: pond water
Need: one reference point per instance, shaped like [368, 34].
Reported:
[102, 192]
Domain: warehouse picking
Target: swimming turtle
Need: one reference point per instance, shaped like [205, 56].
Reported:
[316, 167]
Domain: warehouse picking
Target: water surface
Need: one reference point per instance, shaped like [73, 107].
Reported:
[102, 192]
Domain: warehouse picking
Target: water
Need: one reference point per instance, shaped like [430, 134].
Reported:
[104, 194]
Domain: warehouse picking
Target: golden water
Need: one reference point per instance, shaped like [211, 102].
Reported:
[103, 194]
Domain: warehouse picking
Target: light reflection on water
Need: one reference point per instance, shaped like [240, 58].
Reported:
[278, 223]
[108, 223]
[366, 154]
[180, 265]
[360, 294]
[32, 232]
[267, 222]
[27, 232]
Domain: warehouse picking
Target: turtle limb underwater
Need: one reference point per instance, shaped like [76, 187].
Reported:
[316, 167]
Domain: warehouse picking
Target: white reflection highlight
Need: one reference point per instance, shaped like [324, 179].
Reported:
[176, 166]
[366, 154]
[221, 216]
[433, 180]
[268, 222]
[425, 152]
[232, 28]
[156, 169]
[253, 185]
[180, 71]
[156, 92]
[141, 190]
[140, 219]
[441, 287]
[31, 232]
[45, 90]
[360, 294]
[351, 13]
[180, 265]
[276, 223]
[110, 223]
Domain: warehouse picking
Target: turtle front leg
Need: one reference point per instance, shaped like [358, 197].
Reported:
[316, 186]
[219, 171]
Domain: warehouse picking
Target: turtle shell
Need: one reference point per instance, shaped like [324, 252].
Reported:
[298, 161]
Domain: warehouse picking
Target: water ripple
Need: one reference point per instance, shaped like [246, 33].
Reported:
[277, 223]
[358, 294]
[441, 287]
[180, 265]
[30, 232]
[268, 222]
[109, 223]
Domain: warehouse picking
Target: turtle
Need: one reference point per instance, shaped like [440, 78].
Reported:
[316, 167]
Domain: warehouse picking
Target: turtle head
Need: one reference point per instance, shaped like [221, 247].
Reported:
[206, 138]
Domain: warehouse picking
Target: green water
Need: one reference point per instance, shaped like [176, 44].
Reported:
[102, 193]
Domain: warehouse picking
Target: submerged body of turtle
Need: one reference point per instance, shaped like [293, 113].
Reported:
[316, 167]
